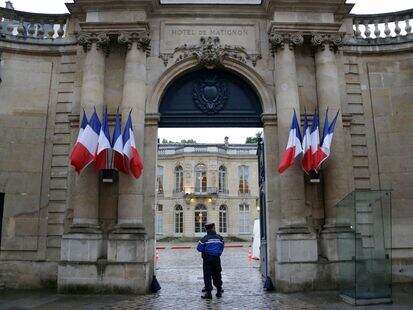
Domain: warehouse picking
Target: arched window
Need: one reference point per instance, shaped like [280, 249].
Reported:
[222, 181]
[179, 179]
[243, 177]
[244, 219]
[159, 180]
[200, 218]
[200, 179]
[159, 219]
[179, 219]
[223, 219]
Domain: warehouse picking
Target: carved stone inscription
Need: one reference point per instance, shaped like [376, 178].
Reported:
[177, 34]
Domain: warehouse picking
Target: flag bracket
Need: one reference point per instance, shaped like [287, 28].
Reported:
[108, 175]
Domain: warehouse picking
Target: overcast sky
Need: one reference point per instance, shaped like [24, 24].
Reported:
[213, 135]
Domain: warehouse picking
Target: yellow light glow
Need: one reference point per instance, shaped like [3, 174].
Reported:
[209, 200]
[192, 199]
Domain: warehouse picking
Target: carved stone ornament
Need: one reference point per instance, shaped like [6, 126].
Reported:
[210, 94]
[278, 40]
[210, 53]
[320, 41]
[142, 39]
[86, 40]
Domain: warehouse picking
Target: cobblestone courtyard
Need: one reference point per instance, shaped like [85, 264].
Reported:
[180, 275]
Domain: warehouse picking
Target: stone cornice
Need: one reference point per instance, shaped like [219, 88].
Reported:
[279, 40]
[269, 119]
[152, 119]
[304, 28]
[115, 28]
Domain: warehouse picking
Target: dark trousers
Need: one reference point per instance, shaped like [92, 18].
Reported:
[212, 272]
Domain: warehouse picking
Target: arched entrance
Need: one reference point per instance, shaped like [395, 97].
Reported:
[232, 95]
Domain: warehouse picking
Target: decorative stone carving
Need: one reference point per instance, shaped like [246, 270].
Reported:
[141, 38]
[210, 53]
[320, 41]
[86, 40]
[278, 40]
[210, 94]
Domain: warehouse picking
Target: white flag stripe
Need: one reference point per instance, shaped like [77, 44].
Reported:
[103, 142]
[118, 147]
[89, 139]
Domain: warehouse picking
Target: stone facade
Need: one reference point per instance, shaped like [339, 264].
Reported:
[79, 232]
[228, 192]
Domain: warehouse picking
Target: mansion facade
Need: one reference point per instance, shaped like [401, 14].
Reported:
[206, 182]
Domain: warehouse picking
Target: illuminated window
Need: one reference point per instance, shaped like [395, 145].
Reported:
[179, 219]
[200, 218]
[200, 179]
[223, 219]
[243, 176]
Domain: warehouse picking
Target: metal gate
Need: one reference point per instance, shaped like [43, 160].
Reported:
[263, 217]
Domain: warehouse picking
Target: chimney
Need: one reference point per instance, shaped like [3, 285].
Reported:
[9, 5]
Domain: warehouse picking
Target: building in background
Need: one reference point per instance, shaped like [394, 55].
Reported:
[206, 182]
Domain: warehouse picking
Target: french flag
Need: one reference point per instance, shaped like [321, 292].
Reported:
[117, 144]
[85, 148]
[294, 147]
[103, 145]
[325, 149]
[307, 162]
[315, 140]
[132, 159]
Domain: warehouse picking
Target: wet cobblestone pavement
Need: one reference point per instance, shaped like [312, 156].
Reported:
[180, 275]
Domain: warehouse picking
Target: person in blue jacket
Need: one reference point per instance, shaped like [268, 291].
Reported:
[211, 246]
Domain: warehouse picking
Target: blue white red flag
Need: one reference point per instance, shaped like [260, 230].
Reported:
[315, 140]
[294, 147]
[307, 162]
[133, 161]
[104, 146]
[84, 151]
[117, 144]
[325, 149]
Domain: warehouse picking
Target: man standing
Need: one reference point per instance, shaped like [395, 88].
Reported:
[211, 246]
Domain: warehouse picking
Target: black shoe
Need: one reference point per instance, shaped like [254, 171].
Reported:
[207, 295]
[203, 290]
[219, 293]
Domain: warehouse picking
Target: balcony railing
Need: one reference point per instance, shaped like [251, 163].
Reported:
[201, 191]
[387, 28]
[33, 27]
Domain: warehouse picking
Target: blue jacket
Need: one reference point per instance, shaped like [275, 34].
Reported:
[211, 244]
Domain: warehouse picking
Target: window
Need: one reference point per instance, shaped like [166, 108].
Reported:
[222, 182]
[223, 219]
[159, 220]
[200, 179]
[243, 175]
[200, 218]
[179, 179]
[1, 212]
[179, 219]
[159, 179]
[244, 219]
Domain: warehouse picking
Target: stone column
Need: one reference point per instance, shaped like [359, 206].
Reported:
[82, 247]
[293, 210]
[130, 204]
[129, 249]
[85, 197]
[336, 182]
[296, 245]
[337, 233]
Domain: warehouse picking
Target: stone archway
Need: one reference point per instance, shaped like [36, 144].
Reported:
[267, 119]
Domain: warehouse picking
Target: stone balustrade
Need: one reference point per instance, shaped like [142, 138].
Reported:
[33, 27]
[386, 28]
